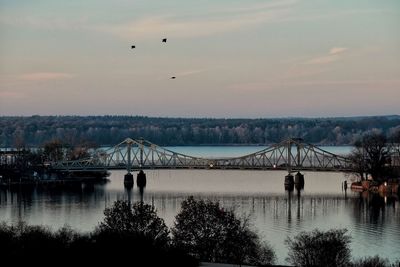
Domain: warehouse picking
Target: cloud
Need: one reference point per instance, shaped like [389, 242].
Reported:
[220, 20]
[175, 27]
[333, 55]
[45, 76]
[299, 17]
[299, 71]
[46, 22]
[323, 60]
[386, 82]
[275, 86]
[199, 22]
[254, 86]
[337, 50]
[11, 94]
[261, 6]
[190, 72]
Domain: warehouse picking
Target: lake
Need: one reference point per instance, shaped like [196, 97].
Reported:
[371, 220]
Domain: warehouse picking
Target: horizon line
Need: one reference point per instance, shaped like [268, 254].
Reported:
[204, 117]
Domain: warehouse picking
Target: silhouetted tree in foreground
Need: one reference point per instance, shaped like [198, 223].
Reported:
[23, 243]
[128, 234]
[137, 230]
[139, 219]
[375, 261]
[211, 233]
[317, 248]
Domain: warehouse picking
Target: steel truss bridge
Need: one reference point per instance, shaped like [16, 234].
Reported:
[131, 154]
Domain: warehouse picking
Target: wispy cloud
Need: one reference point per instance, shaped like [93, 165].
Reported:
[323, 60]
[337, 50]
[333, 55]
[261, 6]
[275, 85]
[48, 22]
[44, 76]
[11, 94]
[386, 82]
[221, 19]
[253, 86]
[190, 72]
[335, 14]
[215, 19]
[176, 27]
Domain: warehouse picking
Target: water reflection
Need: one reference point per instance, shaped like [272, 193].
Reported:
[128, 191]
[289, 206]
[298, 217]
[141, 182]
[372, 220]
[375, 206]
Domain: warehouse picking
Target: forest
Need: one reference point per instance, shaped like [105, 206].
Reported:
[109, 130]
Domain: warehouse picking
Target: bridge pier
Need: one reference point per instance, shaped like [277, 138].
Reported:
[289, 182]
[128, 180]
[141, 179]
[299, 181]
[141, 183]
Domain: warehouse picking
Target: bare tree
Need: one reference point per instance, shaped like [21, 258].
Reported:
[395, 144]
[54, 150]
[375, 261]
[139, 219]
[317, 248]
[371, 155]
[211, 233]
[357, 158]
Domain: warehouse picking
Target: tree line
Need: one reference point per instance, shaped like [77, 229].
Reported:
[109, 130]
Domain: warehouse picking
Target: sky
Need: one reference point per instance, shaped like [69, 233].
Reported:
[247, 59]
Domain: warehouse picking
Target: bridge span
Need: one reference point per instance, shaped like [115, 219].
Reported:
[131, 154]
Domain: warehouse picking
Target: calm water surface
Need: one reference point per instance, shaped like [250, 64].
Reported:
[372, 221]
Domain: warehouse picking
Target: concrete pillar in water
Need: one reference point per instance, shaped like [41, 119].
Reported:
[128, 180]
[289, 182]
[141, 179]
[299, 181]
[141, 183]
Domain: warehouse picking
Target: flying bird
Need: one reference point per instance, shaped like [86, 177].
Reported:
[173, 77]
[133, 46]
[164, 40]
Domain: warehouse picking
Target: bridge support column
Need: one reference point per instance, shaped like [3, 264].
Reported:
[128, 180]
[141, 183]
[141, 179]
[289, 182]
[299, 181]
